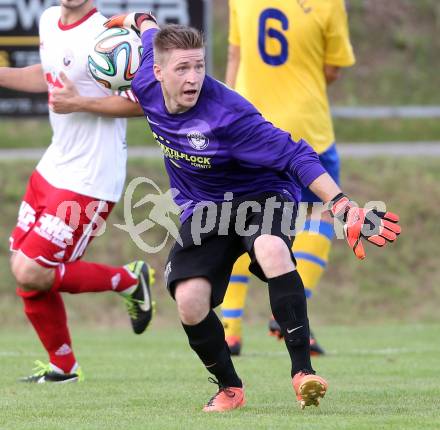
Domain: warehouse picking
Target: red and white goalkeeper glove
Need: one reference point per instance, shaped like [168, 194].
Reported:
[359, 223]
[131, 20]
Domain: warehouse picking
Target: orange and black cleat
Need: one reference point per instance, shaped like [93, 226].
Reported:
[315, 348]
[234, 344]
[275, 330]
[226, 398]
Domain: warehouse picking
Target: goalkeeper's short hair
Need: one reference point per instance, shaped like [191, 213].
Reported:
[176, 36]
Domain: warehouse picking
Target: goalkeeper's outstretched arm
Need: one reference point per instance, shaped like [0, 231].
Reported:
[137, 21]
[27, 79]
[325, 187]
[371, 225]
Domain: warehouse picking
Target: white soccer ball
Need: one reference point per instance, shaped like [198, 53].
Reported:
[115, 58]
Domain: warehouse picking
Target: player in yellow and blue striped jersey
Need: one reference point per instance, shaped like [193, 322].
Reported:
[282, 56]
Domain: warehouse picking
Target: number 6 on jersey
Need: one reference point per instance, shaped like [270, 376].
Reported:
[271, 33]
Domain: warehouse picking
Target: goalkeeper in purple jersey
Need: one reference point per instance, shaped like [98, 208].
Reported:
[238, 180]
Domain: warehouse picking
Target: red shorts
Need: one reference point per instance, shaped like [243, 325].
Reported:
[54, 225]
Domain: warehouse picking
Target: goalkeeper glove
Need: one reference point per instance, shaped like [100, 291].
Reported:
[370, 224]
[131, 20]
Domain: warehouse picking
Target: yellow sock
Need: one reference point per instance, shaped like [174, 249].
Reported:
[235, 298]
[311, 249]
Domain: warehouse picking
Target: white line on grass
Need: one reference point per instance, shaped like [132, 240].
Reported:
[17, 354]
[347, 150]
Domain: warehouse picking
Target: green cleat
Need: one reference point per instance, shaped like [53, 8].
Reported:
[45, 373]
[140, 307]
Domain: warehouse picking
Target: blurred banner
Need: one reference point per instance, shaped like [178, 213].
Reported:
[19, 40]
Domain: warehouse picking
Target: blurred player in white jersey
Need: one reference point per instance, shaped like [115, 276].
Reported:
[72, 190]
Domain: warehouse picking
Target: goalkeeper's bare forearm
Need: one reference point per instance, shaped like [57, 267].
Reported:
[325, 187]
[27, 79]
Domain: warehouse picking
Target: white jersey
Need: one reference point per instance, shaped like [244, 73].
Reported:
[88, 153]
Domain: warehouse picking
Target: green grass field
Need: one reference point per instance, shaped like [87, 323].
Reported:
[378, 319]
[399, 282]
[380, 377]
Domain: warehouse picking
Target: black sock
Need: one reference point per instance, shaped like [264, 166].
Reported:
[207, 339]
[289, 308]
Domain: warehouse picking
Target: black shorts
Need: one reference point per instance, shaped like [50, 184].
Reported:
[212, 254]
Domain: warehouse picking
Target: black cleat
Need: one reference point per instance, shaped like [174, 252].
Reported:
[139, 304]
[44, 373]
[315, 348]
[234, 344]
[275, 330]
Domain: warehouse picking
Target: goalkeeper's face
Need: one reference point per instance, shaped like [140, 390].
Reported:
[181, 73]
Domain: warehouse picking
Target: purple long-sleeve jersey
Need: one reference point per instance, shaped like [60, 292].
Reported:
[222, 144]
